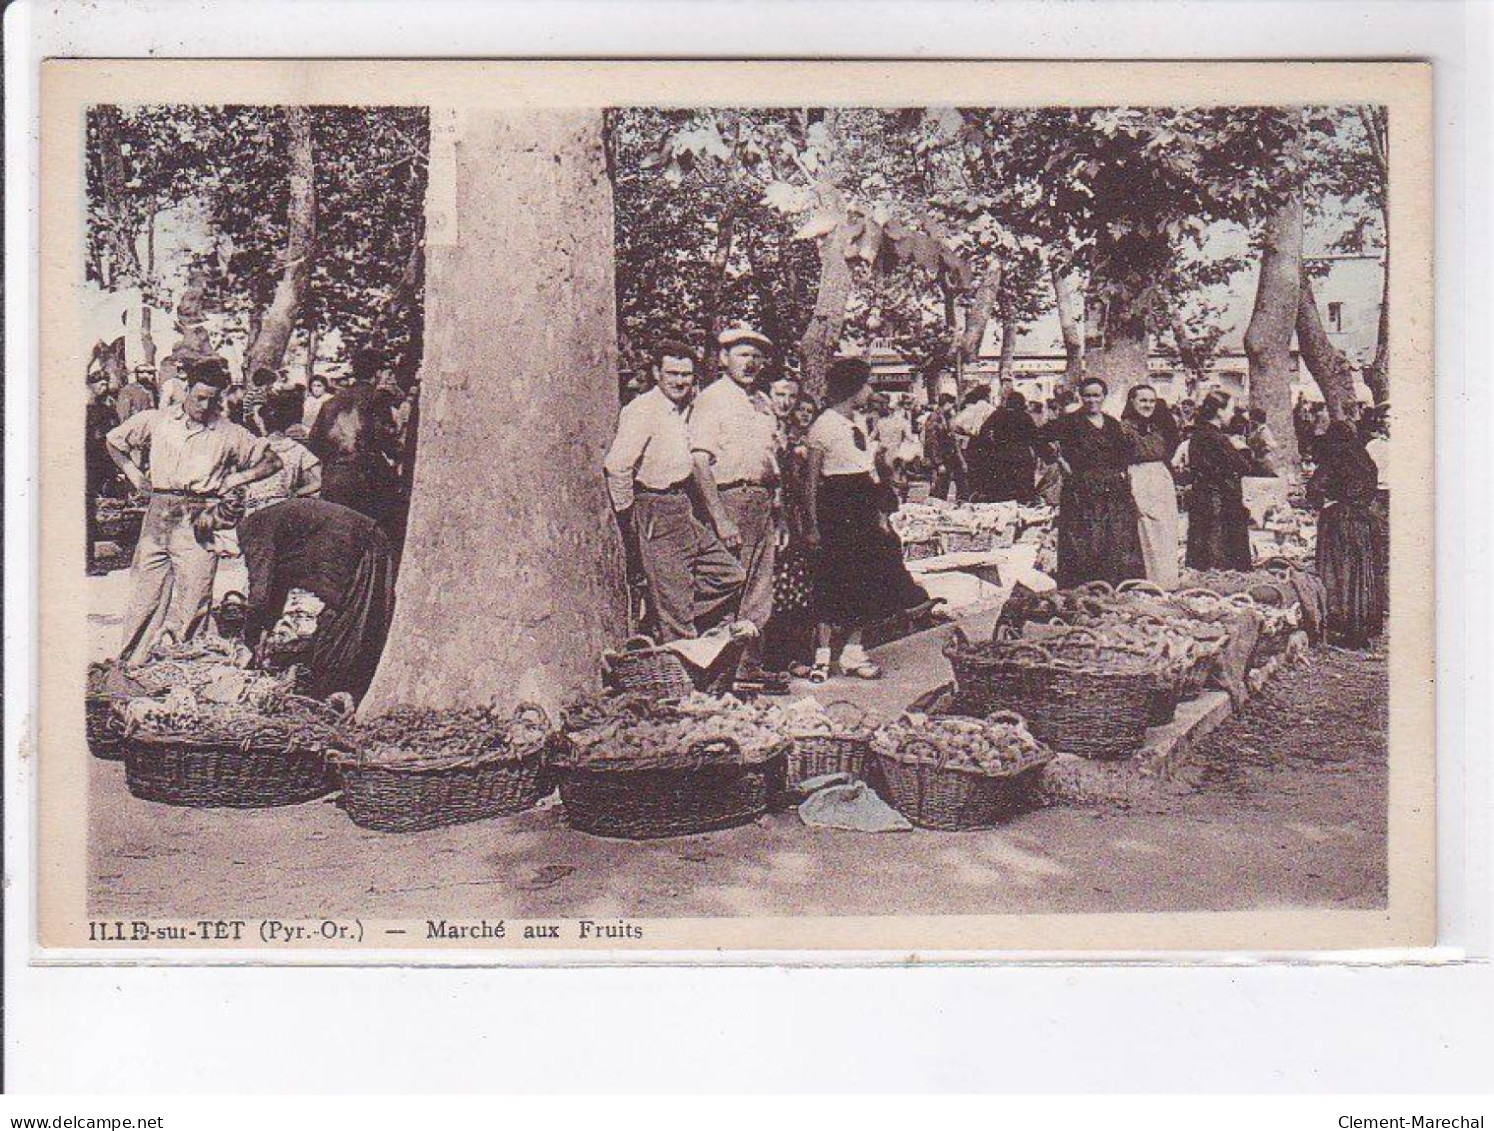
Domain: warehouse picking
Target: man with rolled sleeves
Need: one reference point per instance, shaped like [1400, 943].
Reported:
[198, 461]
[693, 580]
[735, 440]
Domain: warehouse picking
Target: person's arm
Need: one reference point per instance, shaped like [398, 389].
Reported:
[621, 461]
[124, 440]
[262, 464]
[311, 477]
[812, 474]
[705, 485]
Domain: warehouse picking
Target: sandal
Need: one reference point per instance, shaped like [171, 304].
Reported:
[820, 673]
[861, 669]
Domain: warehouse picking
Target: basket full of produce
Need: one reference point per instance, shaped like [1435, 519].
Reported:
[1170, 658]
[414, 769]
[184, 750]
[951, 773]
[1096, 705]
[833, 739]
[670, 773]
[643, 667]
[108, 689]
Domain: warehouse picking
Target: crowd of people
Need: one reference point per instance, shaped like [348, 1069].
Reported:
[747, 497]
[309, 483]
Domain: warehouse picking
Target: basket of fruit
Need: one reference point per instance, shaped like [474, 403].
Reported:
[1096, 706]
[414, 769]
[181, 750]
[952, 773]
[826, 740]
[670, 774]
[1101, 643]
[107, 690]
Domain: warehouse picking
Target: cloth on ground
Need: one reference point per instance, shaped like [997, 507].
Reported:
[704, 650]
[839, 801]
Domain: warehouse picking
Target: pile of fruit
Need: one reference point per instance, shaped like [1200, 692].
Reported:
[995, 746]
[422, 735]
[286, 720]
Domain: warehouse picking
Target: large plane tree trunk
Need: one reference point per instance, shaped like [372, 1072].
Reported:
[1268, 338]
[822, 335]
[267, 345]
[511, 583]
[1069, 324]
[1328, 366]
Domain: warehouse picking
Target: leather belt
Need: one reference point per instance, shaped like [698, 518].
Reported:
[640, 489]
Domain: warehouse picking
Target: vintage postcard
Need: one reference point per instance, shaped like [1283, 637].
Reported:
[540, 511]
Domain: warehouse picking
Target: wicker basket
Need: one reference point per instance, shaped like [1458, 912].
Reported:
[709, 786]
[1074, 707]
[644, 668]
[184, 771]
[105, 732]
[433, 792]
[934, 795]
[1082, 643]
[968, 541]
[918, 549]
[847, 750]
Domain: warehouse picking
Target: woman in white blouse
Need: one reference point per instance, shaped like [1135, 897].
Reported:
[860, 578]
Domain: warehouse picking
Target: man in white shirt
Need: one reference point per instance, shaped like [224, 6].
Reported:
[197, 459]
[693, 579]
[735, 441]
[970, 419]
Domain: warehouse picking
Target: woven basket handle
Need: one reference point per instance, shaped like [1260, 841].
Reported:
[530, 717]
[723, 744]
[639, 643]
[1096, 588]
[1200, 591]
[1141, 585]
[846, 715]
[1030, 646]
[1243, 601]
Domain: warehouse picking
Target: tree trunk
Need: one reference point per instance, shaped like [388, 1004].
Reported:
[1008, 348]
[822, 335]
[121, 233]
[711, 305]
[1329, 367]
[313, 343]
[1118, 344]
[511, 584]
[1377, 376]
[978, 317]
[1068, 323]
[148, 292]
[267, 345]
[1268, 338]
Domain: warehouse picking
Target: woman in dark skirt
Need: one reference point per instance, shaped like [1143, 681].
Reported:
[1218, 523]
[1097, 538]
[1003, 452]
[1351, 545]
[860, 578]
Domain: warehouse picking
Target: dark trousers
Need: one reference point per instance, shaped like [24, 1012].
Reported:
[694, 581]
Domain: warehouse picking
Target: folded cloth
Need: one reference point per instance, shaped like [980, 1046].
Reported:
[842, 802]
[704, 650]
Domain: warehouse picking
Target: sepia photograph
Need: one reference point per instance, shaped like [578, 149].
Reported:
[975, 508]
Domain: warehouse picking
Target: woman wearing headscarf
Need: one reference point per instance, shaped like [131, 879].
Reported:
[1097, 539]
[1154, 438]
[1351, 552]
[1003, 460]
[1218, 523]
[860, 578]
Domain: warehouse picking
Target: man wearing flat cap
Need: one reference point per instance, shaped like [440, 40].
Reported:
[734, 437]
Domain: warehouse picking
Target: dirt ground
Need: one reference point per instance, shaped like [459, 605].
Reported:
[1283, 806]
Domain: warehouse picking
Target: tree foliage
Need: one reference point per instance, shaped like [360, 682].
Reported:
[232, 163]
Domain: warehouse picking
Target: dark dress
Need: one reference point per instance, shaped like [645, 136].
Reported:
[1097, 538]
[343, 558]
[860, 577]
[354, 438]
[1352, 550]
[1218, 523]
[1003, 460]
[789, 635]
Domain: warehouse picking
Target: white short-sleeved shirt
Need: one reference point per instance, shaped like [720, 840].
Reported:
[651, 448]
[835, 437]
[300, 474]
[185, 455]
[740, 439]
